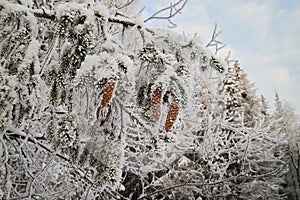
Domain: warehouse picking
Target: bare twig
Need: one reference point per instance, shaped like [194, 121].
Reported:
[173, 9]
[213, 37]
[227, 58]
[214, 42]
[141, 11]
[127, 4]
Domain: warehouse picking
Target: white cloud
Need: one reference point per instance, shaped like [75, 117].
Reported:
[280, 76]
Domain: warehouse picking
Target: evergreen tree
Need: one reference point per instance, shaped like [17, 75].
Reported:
[287, 122]
[241, 144]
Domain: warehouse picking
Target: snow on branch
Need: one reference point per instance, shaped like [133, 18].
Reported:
[50, 14]
[42, 13]
[38, 141]
[239, 177]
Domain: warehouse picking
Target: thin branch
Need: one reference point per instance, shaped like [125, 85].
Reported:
[243, 177]
[298, 171]
[214, 42]
[213, 36]
[173, 25]
[219, 48]
[292, 160]
[139, 13]
[227, 58]
[133, 116]
[127, 4]
[35, 140]
[170, 8]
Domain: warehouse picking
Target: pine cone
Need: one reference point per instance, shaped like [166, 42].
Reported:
[108, 90]
[156, 103]
[172, 115]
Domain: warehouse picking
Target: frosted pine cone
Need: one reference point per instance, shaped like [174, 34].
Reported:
[107, 92]
[172, 115]
[156, 103]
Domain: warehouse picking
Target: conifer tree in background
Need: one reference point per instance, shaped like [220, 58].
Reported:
[286, 120]
[241, 145]
[263, 109]
[96, 105]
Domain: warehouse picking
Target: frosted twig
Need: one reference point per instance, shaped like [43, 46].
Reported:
[133, 116]
[227, 58]
[126, 4]
[173, 10]
[234, 178]
[214, 42]
[141, 11]
[35, 140]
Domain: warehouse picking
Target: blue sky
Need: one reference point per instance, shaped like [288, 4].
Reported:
[264, 35]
